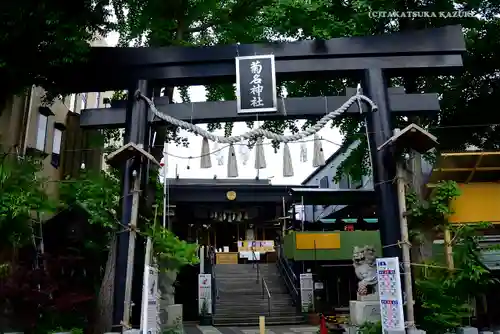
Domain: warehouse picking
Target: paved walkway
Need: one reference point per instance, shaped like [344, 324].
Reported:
[293, 329]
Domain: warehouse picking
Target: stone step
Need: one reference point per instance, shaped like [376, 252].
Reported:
[253, 321]
[240, 299]
[274, 313]
[234, 281]
[244, 298]
[257, 307]
[229, 294]
[261, 310]
[262, 302]
[249, 283]
[225, 287]
[248, 270]
[245, 273]
[240, 309]
[243, 277]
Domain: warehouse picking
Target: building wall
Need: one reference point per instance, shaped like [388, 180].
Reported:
[323, 178]
[19, 120]
[19, 127]
[11, 122]
[112, 143]
[80, 146]
[313, 213]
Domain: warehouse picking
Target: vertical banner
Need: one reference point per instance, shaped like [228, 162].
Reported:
[256, 84]
[391, 298]
[150, 319]
[306, 291]
[205, 292]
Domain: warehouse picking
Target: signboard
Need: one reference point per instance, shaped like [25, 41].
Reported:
[205, 292]
[256, 84]
[150, 319]
[306, 291]
[389, 289]
[262, 246]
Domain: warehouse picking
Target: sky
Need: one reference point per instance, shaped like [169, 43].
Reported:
[177, 159]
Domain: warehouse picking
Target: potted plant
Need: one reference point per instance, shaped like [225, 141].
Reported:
[205, 317]
[118, 100]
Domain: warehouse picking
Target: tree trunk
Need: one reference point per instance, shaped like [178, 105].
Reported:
[103, 317]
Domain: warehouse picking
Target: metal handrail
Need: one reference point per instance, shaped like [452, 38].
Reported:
[288, 275]
[215, 287]
[264, 286]
[255, 264]
[283, 259]
[287, 269]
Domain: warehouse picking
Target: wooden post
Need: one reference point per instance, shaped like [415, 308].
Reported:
[284, 218]
[127, 312]
[405, 245]
[262, 325]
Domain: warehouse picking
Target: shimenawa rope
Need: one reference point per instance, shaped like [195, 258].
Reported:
[259, 132]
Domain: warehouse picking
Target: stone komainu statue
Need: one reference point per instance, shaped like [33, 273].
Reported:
[363, 259]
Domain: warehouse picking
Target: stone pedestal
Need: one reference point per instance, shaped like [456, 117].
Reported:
[166, 280]
[467, 330]
[364, 311]
[174, 317]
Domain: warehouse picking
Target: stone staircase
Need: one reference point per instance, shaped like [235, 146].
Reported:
[240, 299]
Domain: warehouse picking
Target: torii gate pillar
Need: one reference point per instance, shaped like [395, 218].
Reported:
[383, 164]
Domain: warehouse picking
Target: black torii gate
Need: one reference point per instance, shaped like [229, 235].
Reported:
[372, 60]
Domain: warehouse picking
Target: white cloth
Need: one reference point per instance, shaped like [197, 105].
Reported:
[250, 256]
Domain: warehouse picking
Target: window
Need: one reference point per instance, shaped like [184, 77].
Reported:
[56, 144]
[356, 184]
[98, 100]
[72, 102]
[41, 128]
[344, 182]
[84, 101]
[324, 183]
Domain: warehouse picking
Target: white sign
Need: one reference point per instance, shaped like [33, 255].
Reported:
[306, 291]
[389, 289]
[150, 319]
[205, 292]
[256, 84]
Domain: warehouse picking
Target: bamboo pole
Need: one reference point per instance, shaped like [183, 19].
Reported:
[448, 249]
[131, 251]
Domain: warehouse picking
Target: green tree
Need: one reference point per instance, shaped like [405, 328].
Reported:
[38, 37]
[23, 201]
[97, 192]
[207, 22]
